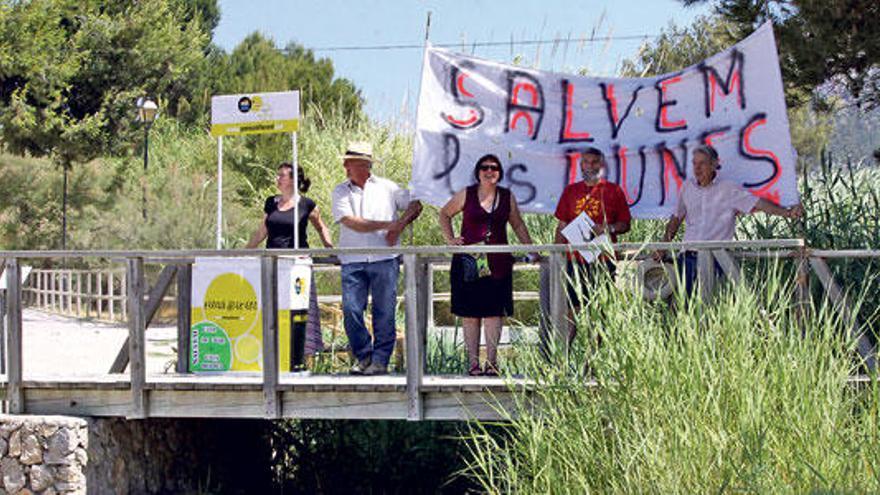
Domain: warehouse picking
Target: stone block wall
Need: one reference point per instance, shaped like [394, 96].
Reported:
[43, 455]
[59, 455]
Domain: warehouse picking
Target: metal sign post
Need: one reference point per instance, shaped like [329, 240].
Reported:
[254, 113]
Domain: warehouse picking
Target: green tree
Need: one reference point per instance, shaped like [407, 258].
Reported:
[819, 41]
[678, 47]
[71, 70]
[256, 64]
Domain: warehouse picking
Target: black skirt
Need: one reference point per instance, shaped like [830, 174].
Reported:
[481, 298]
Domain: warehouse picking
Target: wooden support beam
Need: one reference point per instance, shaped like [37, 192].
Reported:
[151, 307]
[136, 338]
[14, 393]
[706, 274]
[867, 351]
[414, 362]
[728, 265]
[269, 298]
[184, 316]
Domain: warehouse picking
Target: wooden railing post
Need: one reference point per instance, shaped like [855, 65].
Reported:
[558, 302]
[150, 308]
[269, 297]
[414, 344]
[15, 394]
[706, 274]
[429, 291]
[136, 338]
[184, 315]
[802, 282]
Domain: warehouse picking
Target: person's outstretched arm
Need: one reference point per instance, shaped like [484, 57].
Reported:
[795, 211]
[321, 227]
[259, 235]
[450, 209]
[413, 210]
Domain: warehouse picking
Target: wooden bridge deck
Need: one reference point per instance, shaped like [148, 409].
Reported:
[416, 395]
[240, 395]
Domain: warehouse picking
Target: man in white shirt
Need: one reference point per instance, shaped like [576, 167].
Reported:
[366, 206]
[709, 206]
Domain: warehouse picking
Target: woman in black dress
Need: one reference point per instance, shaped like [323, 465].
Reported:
[277, 228]
[486, 210]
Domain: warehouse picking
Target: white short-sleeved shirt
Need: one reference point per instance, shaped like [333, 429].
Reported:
[710, 212]
[379, 200]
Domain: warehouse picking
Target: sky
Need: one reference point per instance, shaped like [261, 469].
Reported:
[389, 78]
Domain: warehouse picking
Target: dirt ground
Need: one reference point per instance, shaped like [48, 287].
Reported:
[55, 344]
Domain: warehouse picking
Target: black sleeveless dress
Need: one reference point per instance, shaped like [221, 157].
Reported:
[486, 296]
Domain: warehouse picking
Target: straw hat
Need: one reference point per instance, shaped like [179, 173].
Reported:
[358, 150]
[656, 279]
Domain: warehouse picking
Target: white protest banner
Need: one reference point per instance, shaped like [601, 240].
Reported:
[255, 113]
[537, 123]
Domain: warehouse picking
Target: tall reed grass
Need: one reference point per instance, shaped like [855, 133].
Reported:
[748, 394]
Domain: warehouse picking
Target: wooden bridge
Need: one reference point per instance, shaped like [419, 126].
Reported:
[415, 395]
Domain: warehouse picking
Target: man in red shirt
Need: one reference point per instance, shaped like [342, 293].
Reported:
[605, 203]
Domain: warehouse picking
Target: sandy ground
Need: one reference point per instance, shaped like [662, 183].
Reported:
[55, 344]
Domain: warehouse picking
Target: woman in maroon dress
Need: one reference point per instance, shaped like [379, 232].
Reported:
[484, 299]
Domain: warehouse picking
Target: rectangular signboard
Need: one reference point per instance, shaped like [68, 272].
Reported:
[255, 113]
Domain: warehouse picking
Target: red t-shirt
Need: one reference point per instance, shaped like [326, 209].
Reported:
[603, 203]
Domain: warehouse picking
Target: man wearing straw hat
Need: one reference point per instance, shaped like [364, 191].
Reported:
[365, 207]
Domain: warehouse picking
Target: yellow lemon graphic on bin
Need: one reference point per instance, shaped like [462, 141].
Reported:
[231, 302]
[247, 349]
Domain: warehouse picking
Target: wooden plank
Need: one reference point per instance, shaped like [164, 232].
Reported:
[346, 405]
[706, 274]
[79, 402]
[89, 298]
[2, 332]
[79, 294]
[421, 250]
[213, 404]
[184, 314]
[867, 351]
[728, 265]
[558, 301]
[98, 299]
[151, 307]
[14, 392]
[802, 282]
[272, 405]
[470, 406]
[136, 338]
[111, 300]
[429, 308]
[846, 253]
[414, 363]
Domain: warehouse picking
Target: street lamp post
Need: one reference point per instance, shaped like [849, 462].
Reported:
[147, 112]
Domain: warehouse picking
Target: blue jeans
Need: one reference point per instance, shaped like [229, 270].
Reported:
[687, 262]
[380, 278]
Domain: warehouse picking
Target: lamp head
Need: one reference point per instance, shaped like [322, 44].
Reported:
[147, 110]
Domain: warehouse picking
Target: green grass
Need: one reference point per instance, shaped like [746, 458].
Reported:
[741, 396]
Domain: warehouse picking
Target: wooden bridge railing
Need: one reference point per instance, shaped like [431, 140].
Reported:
[143, 302]
[99, 293]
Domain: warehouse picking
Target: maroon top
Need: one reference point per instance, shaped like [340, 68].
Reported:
[476, 221]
